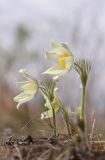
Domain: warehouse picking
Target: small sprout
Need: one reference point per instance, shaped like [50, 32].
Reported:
[63, 58]
[29, 88]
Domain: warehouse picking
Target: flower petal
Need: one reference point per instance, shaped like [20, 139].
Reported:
[28, 86]
[57, 50]
[54, 44]
[68, 63]
[24, 73]
[55, 70]
[64, 45]
[51, 56]
[22, 98]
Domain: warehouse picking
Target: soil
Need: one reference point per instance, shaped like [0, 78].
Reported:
[41, 148]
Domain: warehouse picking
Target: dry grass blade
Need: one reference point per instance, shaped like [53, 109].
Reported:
[18, 152]
[45, 155]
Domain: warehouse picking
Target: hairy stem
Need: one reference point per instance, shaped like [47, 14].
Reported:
[83, 103]
[54, 122]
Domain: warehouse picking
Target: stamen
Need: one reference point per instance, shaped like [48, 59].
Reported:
[61, 60]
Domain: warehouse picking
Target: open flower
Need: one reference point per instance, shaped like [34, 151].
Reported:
[50, 105]
[29, 88]
[63, 57]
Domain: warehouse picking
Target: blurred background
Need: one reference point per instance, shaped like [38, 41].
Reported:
[27, 28]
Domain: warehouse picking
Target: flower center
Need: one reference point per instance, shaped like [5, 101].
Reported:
[61, 60]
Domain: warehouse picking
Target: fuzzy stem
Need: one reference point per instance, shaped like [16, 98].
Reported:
[54, 122]
[83, 107]
[82, 103]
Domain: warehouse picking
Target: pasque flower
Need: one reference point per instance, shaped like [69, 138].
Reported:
[63, 58]
[29, 88]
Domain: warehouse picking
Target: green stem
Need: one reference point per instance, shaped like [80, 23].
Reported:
[54, 122]
[82, 102]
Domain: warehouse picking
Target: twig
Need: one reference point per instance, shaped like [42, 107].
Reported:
[18, 152]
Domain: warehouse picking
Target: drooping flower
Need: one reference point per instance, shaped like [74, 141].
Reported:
[63, 58]
[50, 105]
[29, 88]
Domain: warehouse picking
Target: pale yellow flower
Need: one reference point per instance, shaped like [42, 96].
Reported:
[63, 58]
[29, 88]
[55, 104]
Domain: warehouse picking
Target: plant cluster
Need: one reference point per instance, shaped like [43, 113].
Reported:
[64, 62]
